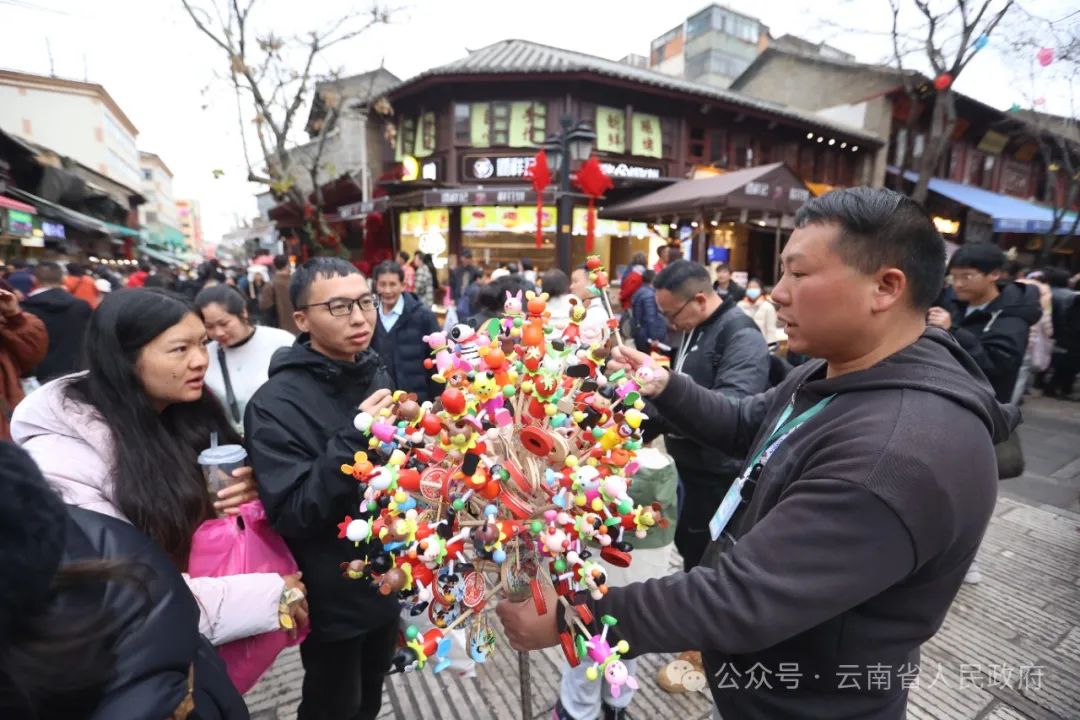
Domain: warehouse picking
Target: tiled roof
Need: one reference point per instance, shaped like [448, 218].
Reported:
[523, 56]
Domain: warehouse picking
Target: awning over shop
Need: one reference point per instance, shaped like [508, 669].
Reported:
[122, 231]
[165, 237]
[1009, 214]
[162, 257]
[769, 188]
[6, 202]
[67, 216]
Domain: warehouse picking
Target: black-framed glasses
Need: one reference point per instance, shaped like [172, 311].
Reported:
[671, 318]
[342, 307]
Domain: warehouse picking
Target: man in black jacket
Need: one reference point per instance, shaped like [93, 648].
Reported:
[991, 319]
[65, 317]
[399, 333]
[299, 432]
[869, 486]
[722, 350]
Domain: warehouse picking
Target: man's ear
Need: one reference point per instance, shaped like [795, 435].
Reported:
[300, 318]
[889, 289]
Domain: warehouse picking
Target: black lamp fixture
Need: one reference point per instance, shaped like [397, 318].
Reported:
[564, 150]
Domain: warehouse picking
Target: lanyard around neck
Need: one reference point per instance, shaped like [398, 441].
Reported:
[785, 426]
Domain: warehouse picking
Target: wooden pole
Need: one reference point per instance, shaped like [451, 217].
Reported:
[525, 678]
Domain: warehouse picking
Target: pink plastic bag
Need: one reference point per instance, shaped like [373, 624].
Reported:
[224, 546]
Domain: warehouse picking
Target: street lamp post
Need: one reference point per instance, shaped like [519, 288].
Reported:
[573, 145]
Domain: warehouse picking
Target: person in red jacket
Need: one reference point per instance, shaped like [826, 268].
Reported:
[631, 280]
[138, 278]
[23, 343]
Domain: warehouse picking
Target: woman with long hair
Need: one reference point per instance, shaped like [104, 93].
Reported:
[239, 350]
[123, 439]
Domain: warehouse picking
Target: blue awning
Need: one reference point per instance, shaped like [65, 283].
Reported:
[1009, 214]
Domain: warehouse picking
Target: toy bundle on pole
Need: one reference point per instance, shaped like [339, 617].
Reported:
[517, 476]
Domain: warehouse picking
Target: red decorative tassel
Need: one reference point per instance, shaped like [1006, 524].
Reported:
[590, 226]
[593, 182]
[539, 219]
[541, 178]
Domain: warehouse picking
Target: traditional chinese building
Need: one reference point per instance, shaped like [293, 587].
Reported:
[468, 131]
[993, 182]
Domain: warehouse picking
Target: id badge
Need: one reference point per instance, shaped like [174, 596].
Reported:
[727, 508]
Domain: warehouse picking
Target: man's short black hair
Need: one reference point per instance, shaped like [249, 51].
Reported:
[555, 283]
[312, 270]
[280, 262]
[882, 228]
[388, 267]
[981, 256]
[684, 279]
[723, 266]
[648, 276]
[49, 273]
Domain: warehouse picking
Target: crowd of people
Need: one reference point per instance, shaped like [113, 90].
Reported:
[825, 545]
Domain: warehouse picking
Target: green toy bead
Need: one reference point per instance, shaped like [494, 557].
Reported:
[411, 632]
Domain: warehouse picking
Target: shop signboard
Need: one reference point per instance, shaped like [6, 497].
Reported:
[494, 196]
[482, 168]
[357, 210]
[49, 229]
[19, 224]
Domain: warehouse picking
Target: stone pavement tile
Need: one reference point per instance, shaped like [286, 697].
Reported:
[1025, 614]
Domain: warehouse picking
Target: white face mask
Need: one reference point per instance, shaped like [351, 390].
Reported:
[753, 293]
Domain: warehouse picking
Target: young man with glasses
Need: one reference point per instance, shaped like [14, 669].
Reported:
[299, 430]
[992, 318]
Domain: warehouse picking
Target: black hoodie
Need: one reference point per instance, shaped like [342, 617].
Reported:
[299, 430]
[65, 317]
[852, 546]
[996, 336]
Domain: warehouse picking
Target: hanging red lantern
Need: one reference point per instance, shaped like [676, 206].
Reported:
[541, 178]
[594, 183]
[943, 81]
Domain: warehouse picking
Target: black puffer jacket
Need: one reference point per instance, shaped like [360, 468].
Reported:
[996, 336]
[299, 430]
[403, 350]
[726, 353]
[154, 650]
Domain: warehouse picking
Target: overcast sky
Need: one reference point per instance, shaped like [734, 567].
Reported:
[162, 71]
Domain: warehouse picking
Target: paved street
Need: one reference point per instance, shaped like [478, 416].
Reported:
[1009, 649]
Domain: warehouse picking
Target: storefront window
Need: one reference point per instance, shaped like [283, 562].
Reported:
[480, 129]
[988, 172]
[511, 124]
[425, 136]
[426, 231]
[499, 235]
[462, 126]
[406, 137]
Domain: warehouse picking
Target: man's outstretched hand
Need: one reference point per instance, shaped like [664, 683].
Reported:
[377, 401]
[524, 627]
[651, 377]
